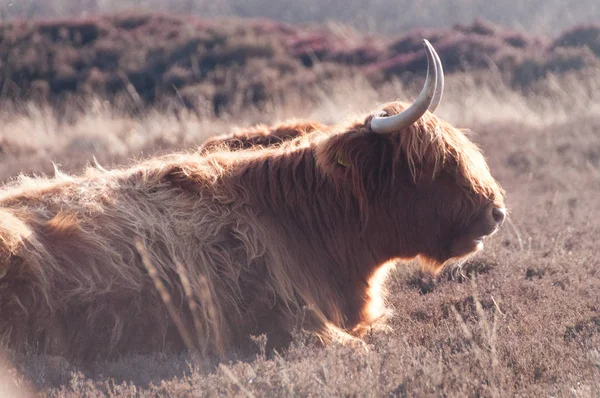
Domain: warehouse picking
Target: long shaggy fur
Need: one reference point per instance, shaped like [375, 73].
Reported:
[297, 232]
[262, 136]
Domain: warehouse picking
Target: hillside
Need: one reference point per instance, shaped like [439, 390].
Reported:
[395, 17]
[159, 59]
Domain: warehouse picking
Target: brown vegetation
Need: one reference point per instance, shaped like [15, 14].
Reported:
[160, 59]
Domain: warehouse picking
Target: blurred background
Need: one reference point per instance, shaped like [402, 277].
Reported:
[536, 16]
[221, 58]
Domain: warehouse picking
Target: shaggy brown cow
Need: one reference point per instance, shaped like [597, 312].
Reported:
[265, 240]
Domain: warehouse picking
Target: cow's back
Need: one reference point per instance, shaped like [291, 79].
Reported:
[73, 276]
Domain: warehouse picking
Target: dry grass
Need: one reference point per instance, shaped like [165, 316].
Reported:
[521, 318]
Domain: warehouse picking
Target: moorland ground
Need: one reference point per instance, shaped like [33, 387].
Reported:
[520, 318]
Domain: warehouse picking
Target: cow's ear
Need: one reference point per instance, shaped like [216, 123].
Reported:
[355, 153]
[332, 156]
[358, 163]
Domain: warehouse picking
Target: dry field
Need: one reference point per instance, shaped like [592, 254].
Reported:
[521, 318]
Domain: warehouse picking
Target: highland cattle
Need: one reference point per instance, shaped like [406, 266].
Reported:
[299, 231]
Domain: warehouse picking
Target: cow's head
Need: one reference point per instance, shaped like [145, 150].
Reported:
[423, 188]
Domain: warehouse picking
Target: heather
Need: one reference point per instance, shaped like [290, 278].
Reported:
[153, 59]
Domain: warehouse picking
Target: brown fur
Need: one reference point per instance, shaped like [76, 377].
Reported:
[298, 234]
[261, 136]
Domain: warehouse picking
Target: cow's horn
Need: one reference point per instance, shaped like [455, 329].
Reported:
[428, 98]
[439, 88]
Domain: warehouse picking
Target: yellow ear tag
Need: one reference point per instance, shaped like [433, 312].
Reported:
[342, 162]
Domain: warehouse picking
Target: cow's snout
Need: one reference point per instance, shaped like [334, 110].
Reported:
[498, 214]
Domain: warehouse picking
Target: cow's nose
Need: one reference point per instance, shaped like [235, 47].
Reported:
[499, 214]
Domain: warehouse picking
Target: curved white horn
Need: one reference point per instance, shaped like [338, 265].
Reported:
[439, 89]
[390, 124]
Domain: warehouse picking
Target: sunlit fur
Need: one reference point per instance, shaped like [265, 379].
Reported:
[294, 235]
[262, 136]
